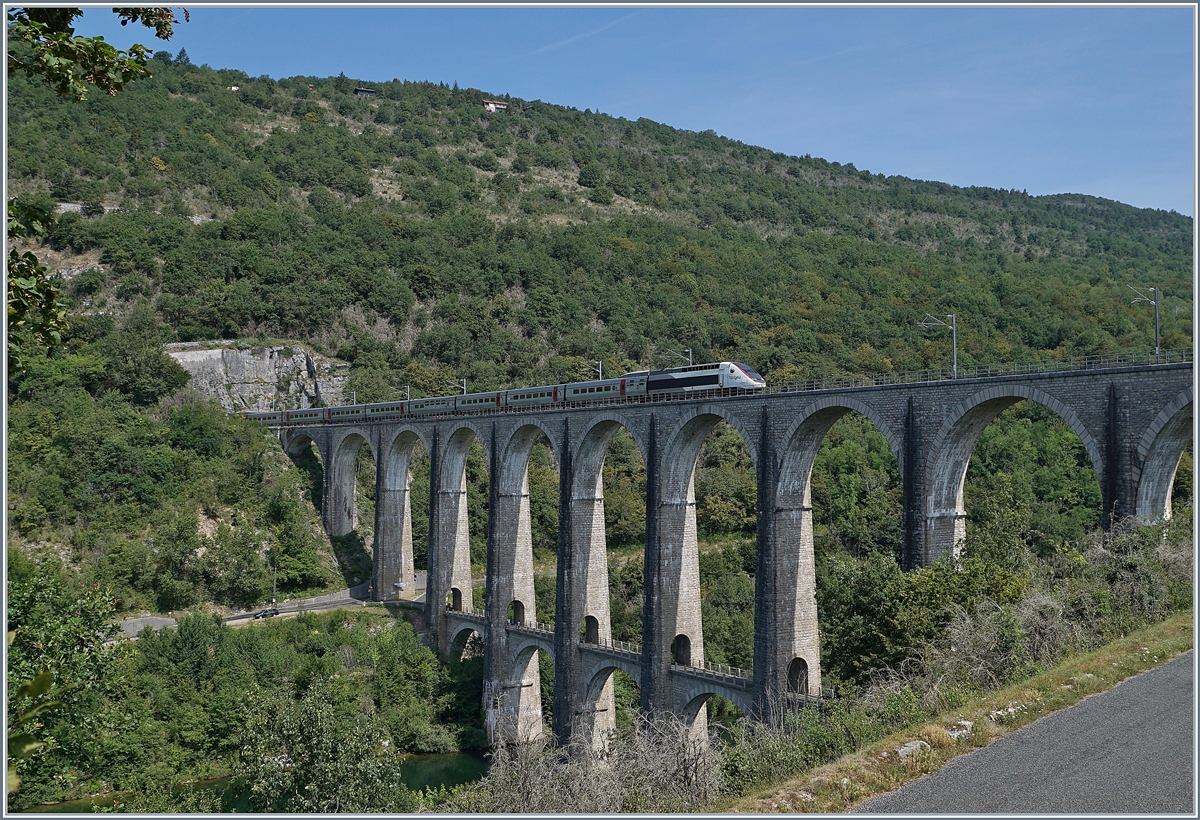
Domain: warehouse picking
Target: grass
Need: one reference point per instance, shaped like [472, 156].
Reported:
[878, 768]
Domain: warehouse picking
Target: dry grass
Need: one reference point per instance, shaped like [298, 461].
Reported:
[936, 736]
[878, 769]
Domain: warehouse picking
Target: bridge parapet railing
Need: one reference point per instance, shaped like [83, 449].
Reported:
[467, 612]
[611, 643]
[980, 371]
[708, 669]
[536, 626]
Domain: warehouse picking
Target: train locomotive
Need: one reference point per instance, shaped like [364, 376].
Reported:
[643, 385]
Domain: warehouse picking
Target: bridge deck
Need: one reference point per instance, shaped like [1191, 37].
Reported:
[1002, 370]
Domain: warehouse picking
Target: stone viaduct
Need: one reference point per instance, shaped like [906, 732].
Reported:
[1134, 421]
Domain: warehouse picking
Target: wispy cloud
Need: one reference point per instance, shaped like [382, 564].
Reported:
[567, 41]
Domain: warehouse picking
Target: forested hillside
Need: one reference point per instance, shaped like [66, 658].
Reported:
[425, 241]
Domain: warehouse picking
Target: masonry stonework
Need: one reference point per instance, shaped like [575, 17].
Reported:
[1134, 423]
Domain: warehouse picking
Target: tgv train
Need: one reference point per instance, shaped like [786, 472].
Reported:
[642, 384]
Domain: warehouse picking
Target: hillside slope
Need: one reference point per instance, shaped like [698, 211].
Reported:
[425, 240]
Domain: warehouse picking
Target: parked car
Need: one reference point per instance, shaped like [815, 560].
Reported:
[269, 612]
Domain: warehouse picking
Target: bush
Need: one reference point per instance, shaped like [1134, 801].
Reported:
[601, 195]
[654, 766]
[486, 161]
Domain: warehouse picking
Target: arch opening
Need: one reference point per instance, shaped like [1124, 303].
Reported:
[402, 519]
[526, 524]
[466, 648]
[681, 650]
[627, 699]
[590, 631]
[1027, 483]
[530, 470]
[797, 677]
[707, 528]
[723, 714]
[516, 613]
[838, 509]
[608, 521]
[1166, 470]
[857, 494]
[613, 703]
[545, 665]
[1183, 486]
[353, 516]
[1043, 436]
[418, 495]
[462, 523]
[454, 600]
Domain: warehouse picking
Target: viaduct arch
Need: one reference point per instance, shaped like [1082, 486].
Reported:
[1134, 422]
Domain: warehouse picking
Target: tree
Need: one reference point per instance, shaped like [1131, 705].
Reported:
[58, 634]
[591, 175]
[42, 43]
[35, 314]
[21, 743]
[302, 756]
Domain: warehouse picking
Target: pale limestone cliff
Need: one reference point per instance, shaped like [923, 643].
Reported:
[278, 377]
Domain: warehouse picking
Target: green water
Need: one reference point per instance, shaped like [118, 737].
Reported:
[418, 771]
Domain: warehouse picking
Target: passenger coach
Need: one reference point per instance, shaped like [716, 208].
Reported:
[641, 385]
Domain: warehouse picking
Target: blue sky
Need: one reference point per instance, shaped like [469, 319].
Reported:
[1051, 100]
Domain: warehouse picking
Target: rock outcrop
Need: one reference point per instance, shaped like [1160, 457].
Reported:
[245, 377]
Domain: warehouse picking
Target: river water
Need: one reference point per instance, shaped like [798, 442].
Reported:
[418, 772]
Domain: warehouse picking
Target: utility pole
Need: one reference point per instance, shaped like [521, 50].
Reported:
[462, 383]
[671, 354]
[1141, 297]
[599, 368]
[932, 321]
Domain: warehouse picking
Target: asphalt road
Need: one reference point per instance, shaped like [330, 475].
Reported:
[1128, 750]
